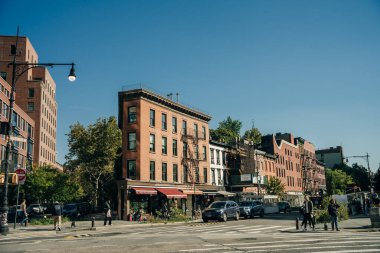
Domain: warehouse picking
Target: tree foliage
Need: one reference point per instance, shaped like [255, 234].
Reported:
[337, 181]
[253, 135]
[228, 131]
[275, 186]
[376, 180]
[45, 184]
[359, 175]
[92, 154]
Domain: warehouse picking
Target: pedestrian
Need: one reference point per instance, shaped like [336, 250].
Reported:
[24, 217]
[308, 212]
[107, 213]
[333, 212]
[57, 213]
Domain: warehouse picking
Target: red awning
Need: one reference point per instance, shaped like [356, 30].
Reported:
[144, 191]
[172, 193]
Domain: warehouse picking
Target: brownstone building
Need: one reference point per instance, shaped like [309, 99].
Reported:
[165, 153]
[36, 91]
[23, 127]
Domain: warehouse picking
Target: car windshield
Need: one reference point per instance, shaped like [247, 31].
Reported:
[217, 205]
[245, 203]
[70, 207]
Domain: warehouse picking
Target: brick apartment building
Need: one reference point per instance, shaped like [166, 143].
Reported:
[165, 153]
[36, 95]
[23, 126]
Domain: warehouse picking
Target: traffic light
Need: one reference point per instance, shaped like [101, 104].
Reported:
[1, 178]
[12, 177]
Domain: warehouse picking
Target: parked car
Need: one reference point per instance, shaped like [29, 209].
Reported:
[251, 208]
[34, 209]
[76, 209]
[284, 206]
[12, 213]
[221, 210]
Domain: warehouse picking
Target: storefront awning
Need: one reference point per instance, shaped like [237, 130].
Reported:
[172, 193]
[210, 193]
[144, 191]
[226, 194]
[192, 192]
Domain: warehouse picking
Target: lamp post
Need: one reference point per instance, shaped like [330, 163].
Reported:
[366, 157]
[18, 68]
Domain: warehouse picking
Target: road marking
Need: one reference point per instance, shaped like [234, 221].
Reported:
[349, 251]
[320, 247]
[203, 249]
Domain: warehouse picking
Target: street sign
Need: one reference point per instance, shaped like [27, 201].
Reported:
[21, 173]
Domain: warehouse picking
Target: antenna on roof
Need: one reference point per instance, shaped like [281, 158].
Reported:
[177, 95]
[170, 96]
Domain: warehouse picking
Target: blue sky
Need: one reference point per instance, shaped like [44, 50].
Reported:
[311, 68]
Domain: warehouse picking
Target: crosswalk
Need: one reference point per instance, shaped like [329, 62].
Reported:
[211, 229]
[324, 242]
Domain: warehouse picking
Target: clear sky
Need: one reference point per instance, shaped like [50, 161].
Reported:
[311, 68]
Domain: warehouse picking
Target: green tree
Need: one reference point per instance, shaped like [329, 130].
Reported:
[253, 135]
[275, 186]
[337, 181]
[359, 175]
[376, 180]
[46, 184]
[228, 131]
[92, 154]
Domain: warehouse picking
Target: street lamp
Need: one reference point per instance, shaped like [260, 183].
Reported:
[18, 68]
[366, 157]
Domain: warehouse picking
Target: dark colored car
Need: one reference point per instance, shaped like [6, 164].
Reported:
[251, 208]
[284, 206]
[35, 209]
[75, 210]
[221, 210]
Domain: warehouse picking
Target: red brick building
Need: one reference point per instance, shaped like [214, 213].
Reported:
[23, 126]
[165, 153]
[36, 91]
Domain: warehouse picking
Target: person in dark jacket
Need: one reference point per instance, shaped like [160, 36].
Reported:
[308, 212]
[57, 213]
[107, 213]
[333, 212]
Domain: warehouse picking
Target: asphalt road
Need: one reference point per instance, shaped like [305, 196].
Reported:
[270, 234]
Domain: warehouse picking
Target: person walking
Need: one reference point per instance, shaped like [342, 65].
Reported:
[24, 218]
[107, 213]
[333, 212]
[57, 213]
[308, 212]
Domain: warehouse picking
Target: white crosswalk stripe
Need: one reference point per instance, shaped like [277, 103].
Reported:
[339, 243]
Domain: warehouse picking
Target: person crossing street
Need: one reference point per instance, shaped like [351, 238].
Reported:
[308, 212]
[57, 213]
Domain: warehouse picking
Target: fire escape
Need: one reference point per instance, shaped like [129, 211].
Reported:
[309, 175]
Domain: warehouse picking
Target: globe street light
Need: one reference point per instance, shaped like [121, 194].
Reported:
[18, 68]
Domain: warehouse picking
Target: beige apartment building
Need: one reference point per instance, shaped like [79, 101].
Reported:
[36, 95]
[165, 153]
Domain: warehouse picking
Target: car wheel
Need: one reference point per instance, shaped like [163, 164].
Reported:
[205, 220]
[237, 216]
[262, 214]
[224, 217]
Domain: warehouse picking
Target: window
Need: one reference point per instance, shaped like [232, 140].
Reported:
[132, 117]
[131, 165]
[152, 169]
[175, 152]
[174, 124]
[212, 156]
[175, 173]
[131, 141]
[204, 132]
[218, 157]
[197, 174]
[205, 175]
[164, 122]
[31, 92]
[30, 106]
[204, 155]
[185, 149]
[213, 176]
[152, 118]
[3, 75]
[164, 145]
[152, 143]
[184, 127]
[224, 157]
[185, 171]
[13, 49]
[164, 172]
[196, 130]
[196, 152]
